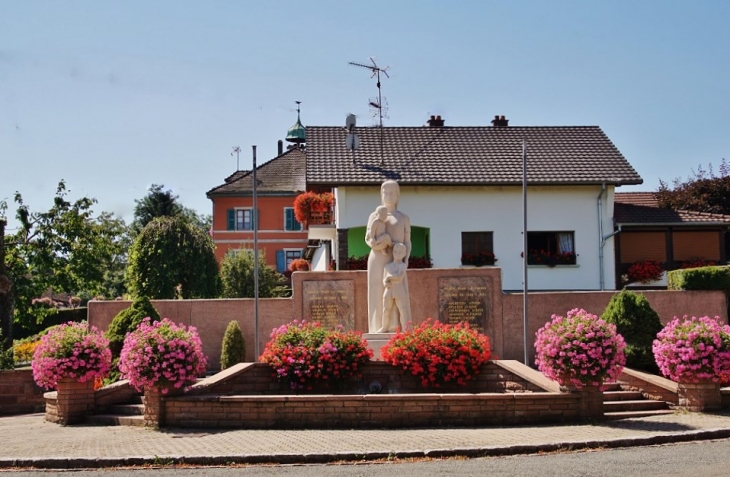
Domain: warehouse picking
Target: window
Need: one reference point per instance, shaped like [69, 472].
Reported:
[290, 221]
[241, 219]
[551, 248]
[284, 258]
[477, 248]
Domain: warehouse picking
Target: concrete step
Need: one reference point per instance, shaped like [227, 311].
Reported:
[638, 405]
[613, 416]
[115, 420]
[622, 396]
[612, 386]
[127, 409]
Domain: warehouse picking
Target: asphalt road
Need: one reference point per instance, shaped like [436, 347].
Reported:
[705, 458]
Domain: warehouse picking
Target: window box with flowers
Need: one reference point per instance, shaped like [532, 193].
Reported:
[311, 208]
[645, 272]
[478, 259]
[551, 259]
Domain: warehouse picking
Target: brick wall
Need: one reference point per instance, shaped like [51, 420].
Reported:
[19, 394]
[249, 397]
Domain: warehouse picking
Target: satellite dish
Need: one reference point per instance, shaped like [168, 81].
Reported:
[352, 142]
[350, 122]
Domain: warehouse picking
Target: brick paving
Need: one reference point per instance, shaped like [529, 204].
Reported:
[30, 441]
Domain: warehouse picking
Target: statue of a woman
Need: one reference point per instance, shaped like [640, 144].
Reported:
[398, 229]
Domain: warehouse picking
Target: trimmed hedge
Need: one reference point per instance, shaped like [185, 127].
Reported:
[702, 278]
[26, 329]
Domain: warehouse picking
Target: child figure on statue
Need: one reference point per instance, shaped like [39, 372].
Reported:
[395, 293]
[382, 239]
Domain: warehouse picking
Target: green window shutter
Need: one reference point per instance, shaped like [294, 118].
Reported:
[231, 219]
[291, 221]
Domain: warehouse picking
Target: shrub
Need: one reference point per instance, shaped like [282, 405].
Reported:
[23, 350]
[694, 349]
[305, 353]
[162, 354]
[703, 278]
[438, 353]
[579, 349]
[639, 324]
[71, 351]
[128, 320]
[233, 349]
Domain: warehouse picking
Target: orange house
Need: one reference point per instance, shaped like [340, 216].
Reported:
[279, 235]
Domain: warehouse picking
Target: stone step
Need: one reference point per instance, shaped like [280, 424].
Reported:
[613, 416]
[115, 420]
[622, 396]
[127, 409]
[612, 386]
[638, 405]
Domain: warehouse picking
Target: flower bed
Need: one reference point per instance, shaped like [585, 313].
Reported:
[579, 349]
[305, 353]
[438, 353]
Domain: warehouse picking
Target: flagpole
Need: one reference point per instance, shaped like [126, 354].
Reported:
[524, 248]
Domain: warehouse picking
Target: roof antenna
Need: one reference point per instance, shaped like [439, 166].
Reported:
[376, 105]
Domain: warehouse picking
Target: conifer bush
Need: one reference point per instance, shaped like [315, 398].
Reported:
[233, 350]
[639, 324]
[125, 322]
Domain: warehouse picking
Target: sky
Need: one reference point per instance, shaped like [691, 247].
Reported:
[115, 96]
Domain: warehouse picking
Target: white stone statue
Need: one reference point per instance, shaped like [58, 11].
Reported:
[396, 293]
[397, 230]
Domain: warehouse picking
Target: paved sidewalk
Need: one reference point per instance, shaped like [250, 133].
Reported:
[29, 441]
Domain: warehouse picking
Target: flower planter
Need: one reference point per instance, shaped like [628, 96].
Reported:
[699, 395]
[154, 407]
[74, 400]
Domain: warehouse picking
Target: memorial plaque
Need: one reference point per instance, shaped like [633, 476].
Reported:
[465, 299]
[330, 302]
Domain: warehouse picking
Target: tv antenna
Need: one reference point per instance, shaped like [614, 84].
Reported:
[236, 151]
[376, 70]
[376, 105]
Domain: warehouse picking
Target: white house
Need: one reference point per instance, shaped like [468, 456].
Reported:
[462, 189]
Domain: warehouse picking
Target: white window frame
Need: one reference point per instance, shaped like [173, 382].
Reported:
[242, 211]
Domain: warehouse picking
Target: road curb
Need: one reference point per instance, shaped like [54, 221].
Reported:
[324, 458]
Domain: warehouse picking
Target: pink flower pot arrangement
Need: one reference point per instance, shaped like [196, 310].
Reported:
[579, 350]
[162, 355]
[73, 351]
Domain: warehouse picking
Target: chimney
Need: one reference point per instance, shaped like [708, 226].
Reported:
[435, 121]
[281, 147]
[500, 121]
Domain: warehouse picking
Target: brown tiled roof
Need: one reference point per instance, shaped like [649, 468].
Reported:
[283, 175]
[482, 155]
[641, 208]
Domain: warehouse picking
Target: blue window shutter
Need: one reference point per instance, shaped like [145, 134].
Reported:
[280, 261]
[287, 219]
[231, 219]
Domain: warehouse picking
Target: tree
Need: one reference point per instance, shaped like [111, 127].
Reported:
[159, 203]
[702, 192]
[66, 249]
[171, 258]
[238, 277]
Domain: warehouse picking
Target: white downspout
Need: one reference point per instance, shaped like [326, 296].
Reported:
[601, 240]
